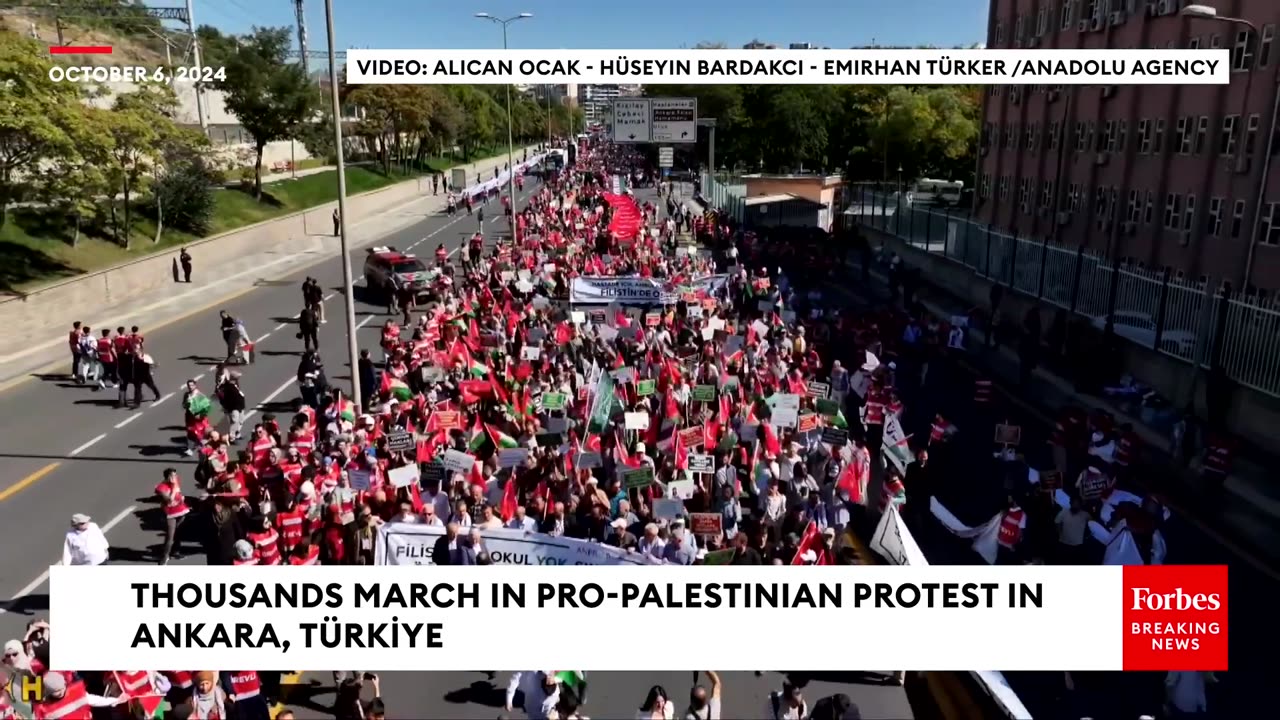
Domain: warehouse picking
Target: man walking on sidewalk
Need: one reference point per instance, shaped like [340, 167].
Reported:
[337, 223]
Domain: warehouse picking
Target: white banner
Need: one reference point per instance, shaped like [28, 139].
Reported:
[412, 544]
[632, 290]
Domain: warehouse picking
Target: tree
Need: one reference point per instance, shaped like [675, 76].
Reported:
[135, 143]
[37, 116]
[73, 185]
[268, 95]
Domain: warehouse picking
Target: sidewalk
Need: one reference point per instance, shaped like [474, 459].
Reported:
[212, 286]
[1248, 515]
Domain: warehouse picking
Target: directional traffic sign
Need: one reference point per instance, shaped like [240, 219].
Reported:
[666, 157]
[631, 121]
[675, 120]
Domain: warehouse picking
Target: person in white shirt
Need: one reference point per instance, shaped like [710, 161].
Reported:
[788, 704]
[85, 543]
[650, 543]
[657, 705]
[521, 521]
[429, 516]
[704, 704]
[538, 693]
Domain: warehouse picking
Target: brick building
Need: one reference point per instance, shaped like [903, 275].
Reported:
[1162, 176]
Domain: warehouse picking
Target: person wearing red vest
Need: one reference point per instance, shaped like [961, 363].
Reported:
[107, 356]
[175, 509]
[1013, 521]
[266, 543]
[244, 689]
[68, 700]
[291, 524]
[1093, 484]
[244, 553]
[305, 554]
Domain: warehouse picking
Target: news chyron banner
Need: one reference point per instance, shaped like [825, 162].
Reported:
[314, 618]
[792, 67]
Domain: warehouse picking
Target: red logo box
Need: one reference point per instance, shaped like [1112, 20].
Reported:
[1175, 617]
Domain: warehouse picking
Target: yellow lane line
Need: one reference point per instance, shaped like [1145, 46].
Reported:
[25, 482]
[285, 682]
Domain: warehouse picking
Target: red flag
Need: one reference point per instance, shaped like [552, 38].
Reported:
[771, 444]
[851, 480]
[812, 540]
[681, 452]
[509, 503]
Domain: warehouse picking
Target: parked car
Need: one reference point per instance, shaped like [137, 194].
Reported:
[1140, 328]
[387, 270]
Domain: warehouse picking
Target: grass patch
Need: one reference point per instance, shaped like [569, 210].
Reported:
[36, 249]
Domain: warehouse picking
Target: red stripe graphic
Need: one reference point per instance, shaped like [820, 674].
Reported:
[80, 50]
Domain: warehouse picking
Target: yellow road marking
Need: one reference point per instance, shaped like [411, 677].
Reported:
[22, 484]
[285, 682]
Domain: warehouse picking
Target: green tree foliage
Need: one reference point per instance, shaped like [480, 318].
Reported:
[269, 95]
[865, 132]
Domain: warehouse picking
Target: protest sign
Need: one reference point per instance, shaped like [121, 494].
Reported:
[706, 524]
[819, 390]
[400, 442]
[553, 401]
[668, 508]
[512, 457]
[637, 421]
[602, 290]
[692, 437]
[646, 387]
[403, 476]
[702, 463]
[807, 423]
[682, 489]
[589, 460]
[360, 479]
[1008, 434]
[459, 462]
[835, 437]
[432, 473]
[637, 477]
[530, 352]
[447, 419]
[704, 393]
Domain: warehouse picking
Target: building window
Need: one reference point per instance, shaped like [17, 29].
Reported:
[1068, 14]
[1193, 43]
[1046, 194]
[1052, 138]
[1042, 21]
[1003, 187]
[1019, 30]
[1144, 137]
[1237, 220]
[1135, 206]
[999, 34]
[1202, 134]
[1109, 136]
[1172, 211]
[1122, 135]
[1024, 192]
[1227, 141]
[1150, 210]
[1073, 197]
[1157, 140]
[1099, 201]
[1082, 138]
[984, 187]
[1183, 135]
[1242, 51]
[1030, 135]
[1189, 214]
[1264, 45]
[1215, 217]
[1251, 134]
[1271, 224]
[1215, 42]
[1091, 10]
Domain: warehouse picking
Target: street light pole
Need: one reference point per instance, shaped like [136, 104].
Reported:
[353, 348]
[511, 165]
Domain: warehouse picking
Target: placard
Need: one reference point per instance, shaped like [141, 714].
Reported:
[530, 352]
[652, 319]
[400, 441]
[1008, 434]
[760, 328]
[819, 390]
[668, 509]
[748, 433]
[577, 317]
[588, 460]
[360, 480]
[624, 374]
[682, 489]
[784, 417]
[637, 478]
[807, 423]
[558, 425]
[459, 462]
[692, 437]
[1050, 481]
[636, 421]
[553, 401]
[548, 439]
[537, 335]
[828, 408]
[835, 437]
[704, 393]
[646, 387]
[403, 476]
[512, 457]
[702, 463]
[764, 306]
[432, 473]
[706, 524]
[447, 419]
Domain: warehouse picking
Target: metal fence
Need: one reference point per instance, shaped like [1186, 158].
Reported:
[1152, 308]
[720, 192]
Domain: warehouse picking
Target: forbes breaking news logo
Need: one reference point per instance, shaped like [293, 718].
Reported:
[1175, 617]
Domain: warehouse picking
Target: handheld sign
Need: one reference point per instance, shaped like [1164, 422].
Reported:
[637, 420]
[819, 390]
[702, 463]
[706, 524]
[704, 393]
[692, 437]
[432, 473]
[360, 480]
[459, 462]
[553, 401]
[646, 387]
[403, 476]
[448, 419]
[512, 457]
[638, 478]
[588, 460]
[835, 437]
[1008, 434]
[400, 441]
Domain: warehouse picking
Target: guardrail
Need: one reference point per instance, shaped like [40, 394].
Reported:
[1192, 320]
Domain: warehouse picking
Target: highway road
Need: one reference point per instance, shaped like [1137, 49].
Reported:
[68, 450]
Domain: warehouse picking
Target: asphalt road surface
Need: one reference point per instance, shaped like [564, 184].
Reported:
[67, 449]
[972, 489]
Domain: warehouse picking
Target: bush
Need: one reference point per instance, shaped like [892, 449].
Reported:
[184, 192]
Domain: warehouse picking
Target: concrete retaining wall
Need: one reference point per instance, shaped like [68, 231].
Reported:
[60, 304]
[1252, 414]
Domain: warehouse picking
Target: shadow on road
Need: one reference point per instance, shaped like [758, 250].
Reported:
[29, 604]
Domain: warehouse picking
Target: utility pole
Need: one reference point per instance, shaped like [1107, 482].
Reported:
[301, 16]
[195, 50]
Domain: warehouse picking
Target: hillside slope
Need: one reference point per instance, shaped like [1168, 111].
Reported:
[147, 52]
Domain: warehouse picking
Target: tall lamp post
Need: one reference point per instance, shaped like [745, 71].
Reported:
[353, 348]
[1208, 12]
[511, 165]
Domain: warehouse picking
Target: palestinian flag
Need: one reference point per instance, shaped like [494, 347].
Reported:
[839, 421]
[478, 369]
[500, 439]
[396, 388]
[346, 410]
[575, 680]
[478, 437]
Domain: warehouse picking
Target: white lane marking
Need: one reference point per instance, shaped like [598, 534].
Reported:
[128, 420]
[87, 445]
[162, 399]
[278, 327]
[264, 337]
[274, 394]
[362, 322]
[34, 584]
[329, 297]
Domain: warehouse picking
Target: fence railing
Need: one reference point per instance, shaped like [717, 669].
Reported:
[720, 194]
[1152, 308]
